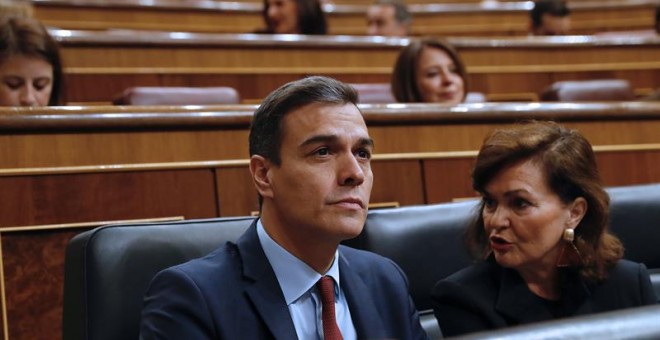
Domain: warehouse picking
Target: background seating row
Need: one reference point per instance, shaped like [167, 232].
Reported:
[371, 93]
[108, 269]
[491, 18]
[98, 65]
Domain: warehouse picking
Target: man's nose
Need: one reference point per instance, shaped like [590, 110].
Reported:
[350, 171]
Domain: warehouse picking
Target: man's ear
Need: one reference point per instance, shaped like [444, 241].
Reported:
[577, 211]
[259, 168]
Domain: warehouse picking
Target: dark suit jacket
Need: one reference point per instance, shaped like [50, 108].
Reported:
[487, 296]
[233, 293]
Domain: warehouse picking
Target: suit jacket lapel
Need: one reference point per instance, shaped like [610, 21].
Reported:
[262, 286]
[365, 314]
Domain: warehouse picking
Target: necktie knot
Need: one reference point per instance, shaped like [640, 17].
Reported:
[327, 288]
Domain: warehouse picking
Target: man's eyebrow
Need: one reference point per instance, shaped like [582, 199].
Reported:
[319, 139]
[364, 141]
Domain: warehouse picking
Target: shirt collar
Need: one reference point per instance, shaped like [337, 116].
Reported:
[294, 276]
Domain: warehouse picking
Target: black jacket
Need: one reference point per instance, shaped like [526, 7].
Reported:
[487, 296]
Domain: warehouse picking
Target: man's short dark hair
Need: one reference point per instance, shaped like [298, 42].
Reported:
[401, 13]
[557, 8]
[266, 129]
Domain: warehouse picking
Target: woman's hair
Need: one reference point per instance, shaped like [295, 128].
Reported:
[569, 167]
[404, 76]
[311, 18]
[20, 36]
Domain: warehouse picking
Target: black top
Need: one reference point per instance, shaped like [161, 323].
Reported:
[487, 296]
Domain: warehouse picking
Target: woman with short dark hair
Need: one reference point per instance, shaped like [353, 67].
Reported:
[540, 236]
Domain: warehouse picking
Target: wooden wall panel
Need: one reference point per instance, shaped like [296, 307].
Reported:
[629, 167]
[448, 179]
[71, 198]
[33, 264]
[126, 147]
[237, 195]
[397, 181]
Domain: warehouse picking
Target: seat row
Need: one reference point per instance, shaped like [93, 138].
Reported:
[371, 93]
[108, 269]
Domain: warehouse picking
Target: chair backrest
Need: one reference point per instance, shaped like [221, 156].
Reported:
[374, 93]
[381, 93]
[475, 97]
[623, 324]
[589, 90]
[177, 96]
[635, 219]
[426, 241]
[108, 269]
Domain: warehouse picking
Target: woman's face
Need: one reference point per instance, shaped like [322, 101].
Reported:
[26, 81]
[283, 16]
[438, 80]
[524, 219]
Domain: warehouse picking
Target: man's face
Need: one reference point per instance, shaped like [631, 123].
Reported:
[553, 25]
[381, 21]
[320, 190]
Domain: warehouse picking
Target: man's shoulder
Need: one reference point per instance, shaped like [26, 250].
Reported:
[217, 265]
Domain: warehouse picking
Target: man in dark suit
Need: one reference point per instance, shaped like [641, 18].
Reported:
[310, 163]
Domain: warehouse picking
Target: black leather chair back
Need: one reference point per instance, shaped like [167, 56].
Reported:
[635, 219]
[425, 241]
[107, 270]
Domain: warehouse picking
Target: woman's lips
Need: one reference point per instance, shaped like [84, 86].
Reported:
[498, 243]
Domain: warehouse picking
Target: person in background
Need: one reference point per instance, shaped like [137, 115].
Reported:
[294, 17]
[540, 236]
[30, 64]
[287, 277]
[550, 17]
[15, 8]
[429, 70]
[388, 18]
[657, 20]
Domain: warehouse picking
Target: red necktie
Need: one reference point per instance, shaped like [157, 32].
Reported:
[330, 329]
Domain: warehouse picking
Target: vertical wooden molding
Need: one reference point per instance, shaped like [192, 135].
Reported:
[5, 325]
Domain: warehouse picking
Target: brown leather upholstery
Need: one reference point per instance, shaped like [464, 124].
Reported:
[177, 96]
[589, 90]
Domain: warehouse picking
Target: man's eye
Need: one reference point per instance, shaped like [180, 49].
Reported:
[364, 154]
[323, 151]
